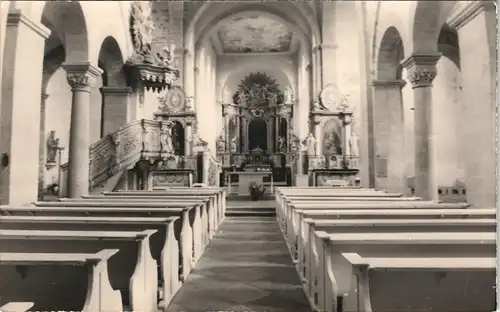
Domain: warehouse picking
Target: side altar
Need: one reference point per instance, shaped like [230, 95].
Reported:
[330, 153]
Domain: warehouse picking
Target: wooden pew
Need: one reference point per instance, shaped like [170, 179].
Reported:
[219, 194]
[185, 237]
[463, 284]
[307, 254]
[59, 281]
[292, 222]
[16, 306]
[192, 214]
[208, 215]
[164, 245]
[288, 204]
[214, 209]
[282, 193]
[132, 269]
[330, 275]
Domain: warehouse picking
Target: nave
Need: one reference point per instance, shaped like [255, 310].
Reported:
[174, 249]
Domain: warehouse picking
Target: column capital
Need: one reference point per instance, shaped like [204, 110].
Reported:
[400, 83]
[117, 90]
[461, 17]
[81, 75]
[421, 69]
[15, 17]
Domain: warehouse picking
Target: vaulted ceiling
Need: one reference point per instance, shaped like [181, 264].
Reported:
[253, 33]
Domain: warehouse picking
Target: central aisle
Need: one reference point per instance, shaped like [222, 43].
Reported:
[246, 267]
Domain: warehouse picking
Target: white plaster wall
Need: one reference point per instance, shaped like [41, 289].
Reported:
[445, 115]
[58, 115]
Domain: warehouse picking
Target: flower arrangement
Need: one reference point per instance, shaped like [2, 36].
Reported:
[256, 190]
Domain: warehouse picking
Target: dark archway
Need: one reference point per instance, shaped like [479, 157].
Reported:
[257, 134]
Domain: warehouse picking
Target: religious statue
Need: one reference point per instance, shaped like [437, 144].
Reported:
[281, 144]
[167, 56]
[221, 144]
[288, 95]
[142, 28]
[52, 147]
[166, 138]
[234, 145]
[353, 144]
[310, 142]
[189, 103]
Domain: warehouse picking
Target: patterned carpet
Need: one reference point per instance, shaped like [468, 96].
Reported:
[245, 268]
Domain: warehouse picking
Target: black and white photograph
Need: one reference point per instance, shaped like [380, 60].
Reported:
[249, 156]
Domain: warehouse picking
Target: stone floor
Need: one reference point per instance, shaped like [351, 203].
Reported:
[246, 267]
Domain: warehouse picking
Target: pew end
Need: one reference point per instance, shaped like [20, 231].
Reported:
[17, 307]
[59, 281]
[422, 284]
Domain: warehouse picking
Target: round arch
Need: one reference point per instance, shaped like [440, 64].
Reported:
[68, 20]
[110, 56]
[209, 14]
[390, 55]
[426, 23]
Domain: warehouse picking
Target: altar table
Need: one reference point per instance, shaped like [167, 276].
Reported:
[245, 178]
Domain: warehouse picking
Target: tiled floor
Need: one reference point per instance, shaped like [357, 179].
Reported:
[245, 268]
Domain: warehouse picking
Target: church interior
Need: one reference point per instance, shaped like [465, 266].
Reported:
[181, 148]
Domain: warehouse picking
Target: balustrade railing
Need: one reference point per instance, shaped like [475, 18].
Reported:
[134, 141]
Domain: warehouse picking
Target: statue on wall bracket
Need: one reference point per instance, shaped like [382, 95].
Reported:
[52, 148]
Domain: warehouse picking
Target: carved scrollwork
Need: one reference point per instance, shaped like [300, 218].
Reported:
[421, 77]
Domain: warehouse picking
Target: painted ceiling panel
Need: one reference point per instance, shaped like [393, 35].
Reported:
[254, 33]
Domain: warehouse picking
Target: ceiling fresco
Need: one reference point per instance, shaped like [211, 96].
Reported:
[254, 34]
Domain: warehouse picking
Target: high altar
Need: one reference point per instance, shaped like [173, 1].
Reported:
[256, 141]
[258, 137]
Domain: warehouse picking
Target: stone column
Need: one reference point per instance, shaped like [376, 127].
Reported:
[81, 77]
[421, 73]
[22, 64]
[227, 138]
[189, 76]
[115, 110]
[188, 133]
[315, 69]
[42, 147]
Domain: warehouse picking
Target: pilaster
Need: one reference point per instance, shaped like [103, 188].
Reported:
[116, 102]
[20, 110]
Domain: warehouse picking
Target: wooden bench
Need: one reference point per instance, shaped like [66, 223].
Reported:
[199, 227]
[292, 221]
[164, 244]
[315, 201]
[212, 202]
[463, 284]
[331, 271]
[16, 306]
[59, 281]
[207, 214]
[132, 269]
[185, 236]
[308, 240]
[218, 193]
